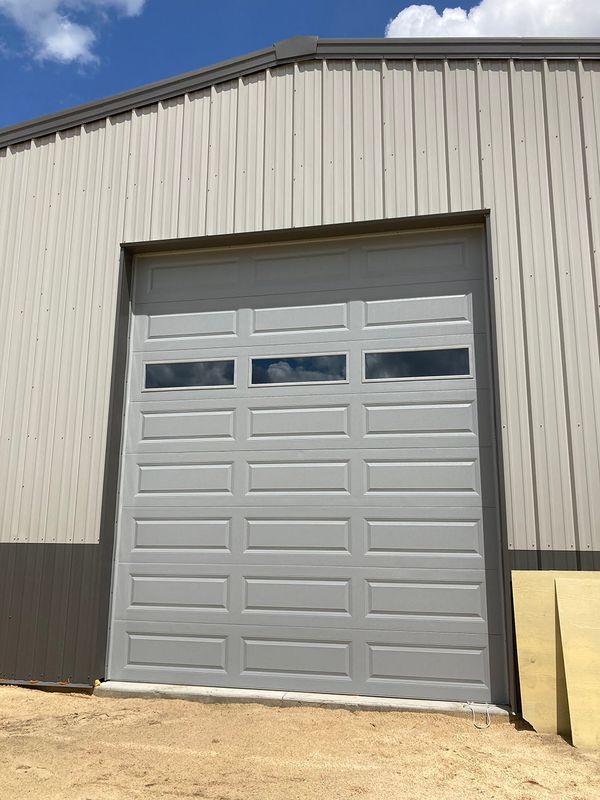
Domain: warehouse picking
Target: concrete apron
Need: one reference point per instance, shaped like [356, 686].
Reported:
[207, 694]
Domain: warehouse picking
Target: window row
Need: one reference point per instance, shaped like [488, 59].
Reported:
[280, 370]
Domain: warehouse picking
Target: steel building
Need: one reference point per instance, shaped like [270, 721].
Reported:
[299, 358]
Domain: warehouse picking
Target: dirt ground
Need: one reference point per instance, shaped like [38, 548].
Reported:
[78, 747]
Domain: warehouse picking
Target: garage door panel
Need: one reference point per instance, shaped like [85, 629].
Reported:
[381, 663]
[308, 497]
[353, 351]
[385, 537]
[340, 597]
[396, 260]
[423, 419]
[407, 477]
[419, 310]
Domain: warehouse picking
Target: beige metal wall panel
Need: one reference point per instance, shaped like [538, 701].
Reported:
[498, 180]
[220, 191]
[194, 164]
[589, 87]
[279, 88]
[367, 139]
[250, 154]
[305, 144]
[430, 137]
[337, 142]
[106, 257]
[19, 343]
[167, 168]
[464, 172]
[398, 139]
[140, 174]
[540, 301]
[577, 292]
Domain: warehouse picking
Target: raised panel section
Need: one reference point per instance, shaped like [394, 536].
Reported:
[187, 281]
[324, 421]
[326, 477]
[296, 657]
[185, 479]
[297, 535]
[418, 311]
[293, 272]
[422, 477]
[297, 595]
[182, 591]
[172, 426]
[207, 653]
[422, 262]
[394, 537]
[191, 326]
[408, 420]
[443, 598]
[189, 534]
[300, 319]
[427, 664]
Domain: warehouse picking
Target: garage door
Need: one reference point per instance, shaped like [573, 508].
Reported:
[307, 490]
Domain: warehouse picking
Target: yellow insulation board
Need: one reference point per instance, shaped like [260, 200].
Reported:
[578, 600]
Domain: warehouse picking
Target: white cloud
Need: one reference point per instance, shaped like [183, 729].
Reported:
[51, 31]
[501, 18]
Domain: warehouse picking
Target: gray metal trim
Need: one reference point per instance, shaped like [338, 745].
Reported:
[565, 560]
[511, 653]
[292, 235]
[110, 486]
[297, 49]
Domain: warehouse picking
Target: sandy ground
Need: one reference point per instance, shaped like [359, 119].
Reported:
[68, 746]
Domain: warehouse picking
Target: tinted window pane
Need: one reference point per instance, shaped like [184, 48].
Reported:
[179, 375]
[298, 369]
[417, 364]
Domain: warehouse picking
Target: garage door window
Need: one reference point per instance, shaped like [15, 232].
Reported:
[405, 364]
[190, 374]
[299, 369]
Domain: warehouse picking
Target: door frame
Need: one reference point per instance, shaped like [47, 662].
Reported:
[118, 390]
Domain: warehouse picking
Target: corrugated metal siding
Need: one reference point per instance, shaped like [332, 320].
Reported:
[49, 606]
[306, 144]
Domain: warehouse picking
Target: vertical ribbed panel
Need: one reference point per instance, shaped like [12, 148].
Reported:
[308, 143]
[337, 142]
[167, 168]
[279, 147]
[140, 174]
[430, 137]
[398, 139]
[498, 182]
[577, 291]
[367, 137]
[305, 144]
[221, 158]
[194, 165]
[250, 154]
[544, 345]
[464, 182]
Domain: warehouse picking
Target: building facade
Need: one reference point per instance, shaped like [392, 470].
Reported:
[300, 357]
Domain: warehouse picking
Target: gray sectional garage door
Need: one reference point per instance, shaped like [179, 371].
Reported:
[307, 490]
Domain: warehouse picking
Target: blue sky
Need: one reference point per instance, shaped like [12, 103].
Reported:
[59, 53]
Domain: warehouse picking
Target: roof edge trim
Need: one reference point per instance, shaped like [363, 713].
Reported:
[299, 48]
